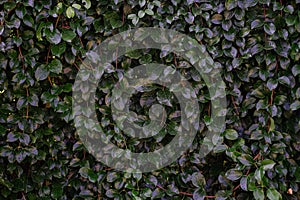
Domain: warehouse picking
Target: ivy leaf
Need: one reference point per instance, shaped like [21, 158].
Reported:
[11, 137]
[141, 14]
[77, 6]
[296, 70]
[272, 84]
[115, 23]
[284, 80]
[87, 4]
[15, 23]
[142, 3]
[259, 174]
[230, 4]
[244, 183]
[57, 191]
[68, 35]
[270, 28]
[256, 24]
[198, 179]
[135, 19]
[53, 37]
[59, 49]
[28, 20]
[217, 19]
[272, 124]
[189, 18]
[233, 174]
[273, 194]
[70, 12]
[41, 73]
[231, 134]
[295, 105]
[149, 12]
[259, 194]
[55, 66]
[267, 164]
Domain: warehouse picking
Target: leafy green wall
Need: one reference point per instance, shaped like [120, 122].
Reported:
[257, 45]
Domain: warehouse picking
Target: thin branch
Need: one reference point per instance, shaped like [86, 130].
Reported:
[247, 173]
[23, 196]
[281, 9]
[84, 64]
[27, 107]
[77, 67]
[56, 23]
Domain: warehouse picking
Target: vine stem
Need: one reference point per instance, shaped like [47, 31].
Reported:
[27, 107]
[247, 173]
[56, 23]
[23, 196]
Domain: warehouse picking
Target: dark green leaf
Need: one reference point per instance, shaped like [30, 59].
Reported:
[68, 35]
[273, 194]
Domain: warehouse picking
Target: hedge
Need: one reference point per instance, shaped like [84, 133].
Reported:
[256, 43]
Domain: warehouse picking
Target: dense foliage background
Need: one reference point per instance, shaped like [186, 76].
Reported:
[257, 45]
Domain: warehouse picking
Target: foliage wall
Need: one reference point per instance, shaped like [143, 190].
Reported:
[255, 42]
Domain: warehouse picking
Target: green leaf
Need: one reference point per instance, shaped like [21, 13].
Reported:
[59, 49]
[256, 24]
[189, 18]
[149, 12]
[251, 182]
[11, 137]
[270, 28]
[267, 164]
[230, 4]
[68, 35]
[142, 3]
[284, 80]
[6, 183]
[135, 19]
[296, 70]
[15, 23]
[87, 4]
[28, 20]
[231, 134]
[53, 37]
[59, 8]
[217, 19]
[259, 174]
[246, 159]
[141, 14]
[259, 194]
[77, 6]
[115, 23]
[233, 174]
[41, 73]
[70, 12]
[272, 84]
[57, 191]
[55, 66]
[198, 179]
[295, 105]
[273, 194]
[244, 183]
[272, 124]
